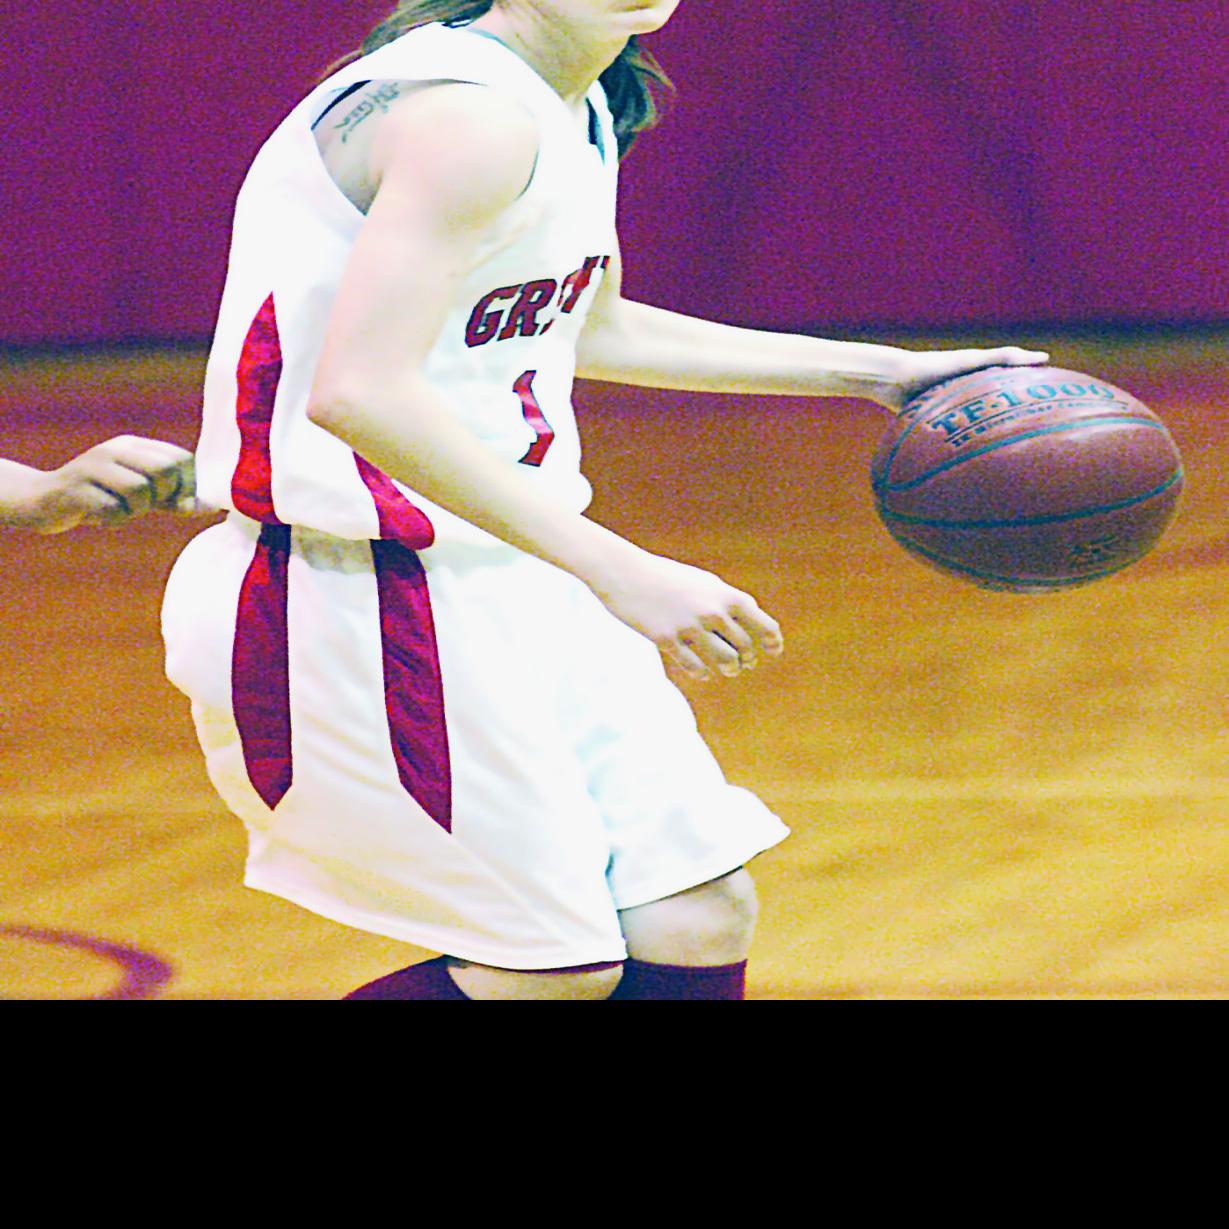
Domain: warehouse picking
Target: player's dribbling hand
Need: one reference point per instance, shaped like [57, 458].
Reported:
[113, 482]
[699, 622]
[921, 370]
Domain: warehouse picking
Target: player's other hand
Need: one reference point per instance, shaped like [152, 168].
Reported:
[703, 625]
[920, 370]
[115, 481]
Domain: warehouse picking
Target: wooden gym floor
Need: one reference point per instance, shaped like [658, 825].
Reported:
[992, 796]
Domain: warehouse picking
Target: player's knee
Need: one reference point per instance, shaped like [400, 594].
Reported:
[707, 925]
[483, 982]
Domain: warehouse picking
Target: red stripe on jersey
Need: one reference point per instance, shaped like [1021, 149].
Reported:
[400, 521]
[260, 373]
[260, 668]
[536, 419]
[413, 686]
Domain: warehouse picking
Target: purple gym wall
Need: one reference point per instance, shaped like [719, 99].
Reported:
[844, 164]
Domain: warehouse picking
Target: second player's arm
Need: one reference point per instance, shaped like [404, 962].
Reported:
[110, 483]
[626, 342]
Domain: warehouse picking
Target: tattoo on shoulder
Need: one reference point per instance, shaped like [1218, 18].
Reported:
[372, 101]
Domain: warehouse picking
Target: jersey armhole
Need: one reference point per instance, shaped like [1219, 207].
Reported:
[354, 89]
[533, 171]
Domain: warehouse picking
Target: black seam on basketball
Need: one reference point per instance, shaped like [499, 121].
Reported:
[1017, 582]
[1013, 522]
[1081, 425]
[886, 481]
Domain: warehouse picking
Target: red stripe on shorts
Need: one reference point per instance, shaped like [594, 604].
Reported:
[260, 668]
[260, 373]
[400, 521]
[413, 687]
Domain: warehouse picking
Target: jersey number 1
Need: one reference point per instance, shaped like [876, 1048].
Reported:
[536, 419]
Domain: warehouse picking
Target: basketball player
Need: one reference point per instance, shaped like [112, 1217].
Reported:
[428, 684]
[110, 483]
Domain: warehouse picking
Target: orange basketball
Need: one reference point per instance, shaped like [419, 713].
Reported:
[1026, 478]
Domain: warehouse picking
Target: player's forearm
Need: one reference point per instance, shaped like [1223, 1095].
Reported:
[654, 348]
[410, 433]
[18, 495]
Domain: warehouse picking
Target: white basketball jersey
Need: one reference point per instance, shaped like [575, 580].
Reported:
[505, 361]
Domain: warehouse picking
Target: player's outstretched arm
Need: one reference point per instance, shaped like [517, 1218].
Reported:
[106, 485]
[625, 342]
[447, 161]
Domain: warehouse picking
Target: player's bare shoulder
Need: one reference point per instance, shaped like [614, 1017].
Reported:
[387, 122]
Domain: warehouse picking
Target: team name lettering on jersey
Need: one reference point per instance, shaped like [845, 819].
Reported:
[530, 308]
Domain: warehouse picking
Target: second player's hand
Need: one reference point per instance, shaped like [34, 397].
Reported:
[704, 625]
[920, 370]
[115, 481]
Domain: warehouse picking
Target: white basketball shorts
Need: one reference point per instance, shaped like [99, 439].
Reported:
[462, 749]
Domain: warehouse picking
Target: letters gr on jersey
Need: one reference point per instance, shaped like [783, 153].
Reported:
[515, 311]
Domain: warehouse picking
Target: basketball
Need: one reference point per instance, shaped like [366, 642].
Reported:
[1029, 479]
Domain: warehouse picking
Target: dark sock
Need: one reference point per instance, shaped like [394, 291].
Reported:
[673, 981]
[429, 980]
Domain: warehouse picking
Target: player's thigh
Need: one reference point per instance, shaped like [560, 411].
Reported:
[710, 924]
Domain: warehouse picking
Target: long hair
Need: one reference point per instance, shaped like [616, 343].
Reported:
[627, 81]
